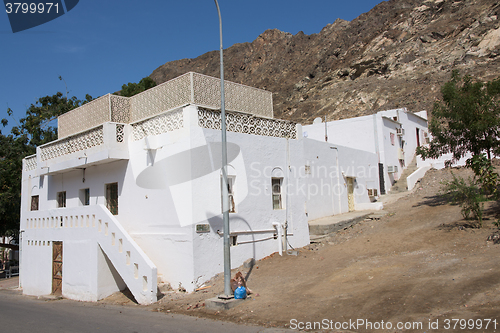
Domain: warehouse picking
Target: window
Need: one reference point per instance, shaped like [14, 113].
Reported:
[426, 138]
[112, 198]
[233, 240]
[34, 202]
[230, 190]
[61, 199]
[392, 139]
[230, 187]
[85, 197]
[276, 186]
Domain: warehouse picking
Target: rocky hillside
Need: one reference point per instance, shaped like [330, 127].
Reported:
[397, 55]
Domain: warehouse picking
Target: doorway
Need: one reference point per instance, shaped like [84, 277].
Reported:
[57, 261]
[350, 193]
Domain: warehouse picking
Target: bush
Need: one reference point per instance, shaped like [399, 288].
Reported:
[468, 195]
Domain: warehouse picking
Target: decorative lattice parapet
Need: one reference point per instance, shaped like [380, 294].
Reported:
[78, 142]
[120, 109]
[30, 163]
[238, 97]
[120, 133]
[86, 116]
[190, 88]
[162, 123]
[203, 90]
[248, 124]
[166, 96]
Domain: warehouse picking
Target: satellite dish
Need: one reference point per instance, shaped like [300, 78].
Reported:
[317, 120]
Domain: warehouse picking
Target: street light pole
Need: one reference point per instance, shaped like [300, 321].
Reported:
[225, 194]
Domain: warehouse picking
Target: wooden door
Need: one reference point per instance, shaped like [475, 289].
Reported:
[57, 261]
[350, 193]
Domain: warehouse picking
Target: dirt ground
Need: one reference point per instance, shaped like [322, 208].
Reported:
[421, 263]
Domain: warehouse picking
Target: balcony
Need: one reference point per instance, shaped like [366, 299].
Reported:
[99, 132]
[102, 144]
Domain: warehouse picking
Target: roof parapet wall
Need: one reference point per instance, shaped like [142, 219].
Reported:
[190, 88]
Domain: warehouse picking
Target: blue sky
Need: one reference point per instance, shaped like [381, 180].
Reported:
[102, 44]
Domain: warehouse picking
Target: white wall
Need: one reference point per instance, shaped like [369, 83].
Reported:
[391, 151]
[259, 159]
[357, 133]
[372, 134]
[326, 185]
[166, 191]
[36, 273]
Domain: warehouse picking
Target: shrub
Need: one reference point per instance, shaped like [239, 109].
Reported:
[468, 195]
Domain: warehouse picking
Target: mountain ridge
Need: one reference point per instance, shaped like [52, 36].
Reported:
[396, 55]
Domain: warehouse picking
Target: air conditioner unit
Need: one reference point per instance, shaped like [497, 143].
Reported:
[392, 169]
[400, 131]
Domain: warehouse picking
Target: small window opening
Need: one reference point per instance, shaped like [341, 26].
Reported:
[230, 190]
[85, 197]
[34, 202]
[276, 187]
[112, 198]
[61, 199]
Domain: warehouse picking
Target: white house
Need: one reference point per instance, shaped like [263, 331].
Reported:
[130, 193]
[392, 135]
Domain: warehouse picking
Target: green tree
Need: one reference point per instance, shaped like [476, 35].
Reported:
[466, 120]
[11, 152]
[131, 89]
[35, 129]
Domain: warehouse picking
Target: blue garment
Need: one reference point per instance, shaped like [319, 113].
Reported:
[240, 293]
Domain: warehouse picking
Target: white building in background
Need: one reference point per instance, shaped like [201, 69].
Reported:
[130, 193]
[392, 135]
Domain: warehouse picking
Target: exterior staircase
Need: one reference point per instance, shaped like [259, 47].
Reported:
[401, 185]
[134, 266]
[95, 222]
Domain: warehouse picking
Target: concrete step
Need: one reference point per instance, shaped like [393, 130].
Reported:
[329, 224]
[320, 228]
